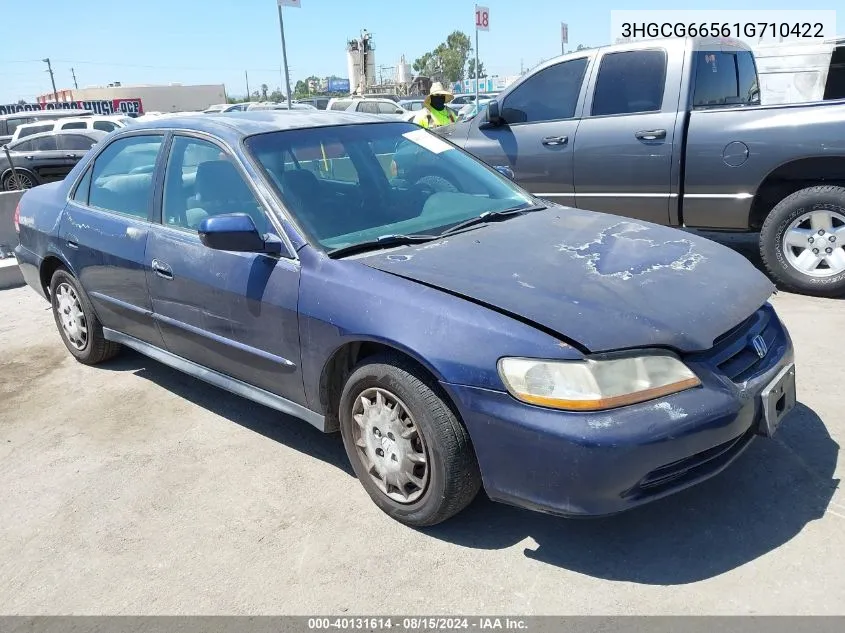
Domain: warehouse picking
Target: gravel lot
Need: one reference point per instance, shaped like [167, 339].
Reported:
[132, 489]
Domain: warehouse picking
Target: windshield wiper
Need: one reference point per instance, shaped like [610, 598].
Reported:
[382, 241]
[488, 216]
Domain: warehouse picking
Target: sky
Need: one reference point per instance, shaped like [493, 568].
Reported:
[193, 41]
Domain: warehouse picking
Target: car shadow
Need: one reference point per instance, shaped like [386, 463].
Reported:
[758, 504]
[268, 422]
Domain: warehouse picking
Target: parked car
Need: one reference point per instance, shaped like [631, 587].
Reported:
[318, 102]
[10, 122]
[226, 107]
[471, 110]
[602, 129]
[384, 107]
[567, 361]
[270, 105]
[107, 123]
[45, 157]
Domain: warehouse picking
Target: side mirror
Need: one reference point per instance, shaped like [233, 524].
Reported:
[400, 111]
[492, 117]
[236, 232]
[506, 171]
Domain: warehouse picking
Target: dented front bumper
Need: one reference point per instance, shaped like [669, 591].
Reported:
[592, 464]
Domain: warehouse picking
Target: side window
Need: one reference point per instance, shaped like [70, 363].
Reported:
[341, 104]
[81, 193]
[725, 79]
[630, 82]
[370, 107]
[12, 124]
[74, 125]
[201, 181]
[122, 178]
[549, 95]
[23, 146]
[387, 107]
[105, 126]
[75, 142]
[35, 129]
[45, 144]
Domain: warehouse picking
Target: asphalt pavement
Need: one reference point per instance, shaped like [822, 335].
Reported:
[130, 488]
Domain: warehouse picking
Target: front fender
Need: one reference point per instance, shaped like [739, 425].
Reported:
[457, 340]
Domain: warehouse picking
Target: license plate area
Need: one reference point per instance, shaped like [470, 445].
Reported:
[778, 399]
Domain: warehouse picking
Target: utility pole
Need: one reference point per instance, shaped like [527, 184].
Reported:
[46, 60]
[289, 96]
[75, 86]
[248, 95]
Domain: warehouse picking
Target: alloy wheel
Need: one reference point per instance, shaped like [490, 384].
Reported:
[814, 243]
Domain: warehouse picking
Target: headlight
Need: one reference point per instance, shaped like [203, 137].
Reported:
[592, 385]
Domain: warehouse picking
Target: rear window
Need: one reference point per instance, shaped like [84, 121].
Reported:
[75, 142]
[725, 78]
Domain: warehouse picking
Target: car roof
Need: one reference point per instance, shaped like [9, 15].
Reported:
[233, 126]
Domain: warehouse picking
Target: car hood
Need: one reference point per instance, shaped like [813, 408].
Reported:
[597, 280]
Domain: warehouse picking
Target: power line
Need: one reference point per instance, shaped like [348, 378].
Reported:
[215, 68]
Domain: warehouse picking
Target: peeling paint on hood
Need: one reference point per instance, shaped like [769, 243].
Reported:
[600, 280]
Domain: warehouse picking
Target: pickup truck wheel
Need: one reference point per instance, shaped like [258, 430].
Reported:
[79, 327]
[802, 241]
[407, 447]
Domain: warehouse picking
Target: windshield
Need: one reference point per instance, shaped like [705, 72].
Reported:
[351, 184]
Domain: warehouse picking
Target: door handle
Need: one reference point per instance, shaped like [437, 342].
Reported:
[70, 155]
[650, 135]
[161, 269]
[29, 157]
[553, 141]
[72, 243]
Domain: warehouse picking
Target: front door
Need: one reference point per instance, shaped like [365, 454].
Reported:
[235, 313]
[538, 135]
[624, 147]
[104, 234]
[41, 156]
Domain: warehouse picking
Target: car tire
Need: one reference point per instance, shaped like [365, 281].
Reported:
[78, 325]
[807, 220]
[407, 418]
[10, 184]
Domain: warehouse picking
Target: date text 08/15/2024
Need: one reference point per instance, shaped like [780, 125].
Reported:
[420, 623]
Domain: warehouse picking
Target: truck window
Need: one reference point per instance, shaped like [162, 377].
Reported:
[725, 79]
[835, 86]
[630, 82]
[549, 95]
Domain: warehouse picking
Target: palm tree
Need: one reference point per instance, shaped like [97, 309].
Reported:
[264, 89]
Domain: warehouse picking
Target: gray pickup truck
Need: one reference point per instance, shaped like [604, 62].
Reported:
[672, 132]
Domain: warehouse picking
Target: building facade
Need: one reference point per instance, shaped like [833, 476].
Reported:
[153, 98]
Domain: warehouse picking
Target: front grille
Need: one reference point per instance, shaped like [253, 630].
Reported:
[734, 354]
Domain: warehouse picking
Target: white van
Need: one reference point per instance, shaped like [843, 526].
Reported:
[102, 123]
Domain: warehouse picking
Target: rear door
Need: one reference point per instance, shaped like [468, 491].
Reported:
[235, 313]
[42, 156]
[104, 233]
[624, 147]
[536, 140]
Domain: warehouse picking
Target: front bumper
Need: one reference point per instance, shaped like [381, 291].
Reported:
[593, 464]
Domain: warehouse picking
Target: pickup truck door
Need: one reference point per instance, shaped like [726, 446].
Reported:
[624, 149]
[538, 130]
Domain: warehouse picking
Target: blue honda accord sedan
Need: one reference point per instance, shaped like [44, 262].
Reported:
[458, 332]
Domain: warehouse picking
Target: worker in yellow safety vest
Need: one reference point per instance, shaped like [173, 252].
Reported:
[434, 112]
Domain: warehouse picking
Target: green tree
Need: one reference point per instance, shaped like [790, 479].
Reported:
[264, 89]
[448, 61]
[300, 90]
[471, 69]
[277, 96]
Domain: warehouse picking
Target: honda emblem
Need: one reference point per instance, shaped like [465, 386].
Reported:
[759, 344]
